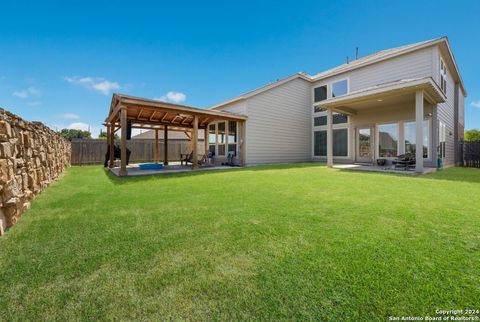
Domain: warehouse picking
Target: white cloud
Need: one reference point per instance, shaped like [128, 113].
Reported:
[70, 116]
[27, 92]
[94, 83]
[172, 97]
[34, 103]
[475, 104]
[79, 126]
[94, 130]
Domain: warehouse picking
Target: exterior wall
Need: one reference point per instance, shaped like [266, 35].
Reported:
[446, 114]
[418, 64]
[237, 107]
[31, 157]
[278, 128]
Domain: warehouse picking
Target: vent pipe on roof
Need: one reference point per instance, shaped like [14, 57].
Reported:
[356, 53]
[348, 60]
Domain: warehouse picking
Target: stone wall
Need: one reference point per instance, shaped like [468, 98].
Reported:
[31, 156]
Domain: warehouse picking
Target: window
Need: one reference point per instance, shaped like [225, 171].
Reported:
[232, 137]
[320, 120]
[211, 149]
[411, 137]
[388, 140]
[441, 139]
[339, 118]
[340, 142]
[232, 132]
[320, 143]
[221, 138]
[340, 88]
[318, 109]
[211, 134]
[443, 76]
[232, 148]
[320, 93]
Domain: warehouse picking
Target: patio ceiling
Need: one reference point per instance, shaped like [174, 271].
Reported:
[152, 114]
[393, 93]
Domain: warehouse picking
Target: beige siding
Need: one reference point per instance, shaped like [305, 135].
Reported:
[279, 124]
[417, 64]
[237, 107]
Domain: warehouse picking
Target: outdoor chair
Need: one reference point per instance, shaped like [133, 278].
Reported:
[405, 161]
[186, 157]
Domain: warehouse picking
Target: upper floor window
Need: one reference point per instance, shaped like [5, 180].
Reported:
[443, 76]
[340, 88]
[320, 93]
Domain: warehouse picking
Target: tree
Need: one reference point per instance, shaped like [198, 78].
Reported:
[103, 135]
[472, 135]
[70, 134]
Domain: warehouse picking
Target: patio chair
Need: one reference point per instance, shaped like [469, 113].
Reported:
[186, 157]
[405, 161]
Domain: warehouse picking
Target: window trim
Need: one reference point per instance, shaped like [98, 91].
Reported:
[429, 143]
[337, 81]
[443, 76]
[377, 139]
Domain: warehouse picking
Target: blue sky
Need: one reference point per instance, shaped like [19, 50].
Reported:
[61, 61]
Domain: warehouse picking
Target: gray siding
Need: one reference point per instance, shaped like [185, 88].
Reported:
[237, 107]
[279, 124]
[418, 64]
[446, 114]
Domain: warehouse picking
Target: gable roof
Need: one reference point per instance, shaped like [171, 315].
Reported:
[361, 62]
[264, 88]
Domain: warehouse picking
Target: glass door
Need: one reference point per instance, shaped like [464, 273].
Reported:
[364, 140]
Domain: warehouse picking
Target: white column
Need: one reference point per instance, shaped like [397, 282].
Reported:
[329, 138]
[419, 130]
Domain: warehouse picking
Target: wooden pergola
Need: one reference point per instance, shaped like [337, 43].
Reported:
[155, 115]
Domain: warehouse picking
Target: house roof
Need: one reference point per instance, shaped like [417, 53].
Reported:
[359, 63]
[264, 88]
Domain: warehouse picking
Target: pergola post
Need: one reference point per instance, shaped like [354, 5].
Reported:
[195, 143]
[165, 145]
[419, 131]
[111, 142]
[155, 149]
[123, 143]
[329, 138]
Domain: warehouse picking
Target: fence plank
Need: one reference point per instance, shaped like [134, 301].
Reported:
[471, 154]
[92, 151]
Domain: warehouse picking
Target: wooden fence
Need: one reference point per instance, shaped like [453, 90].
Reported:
[92, 151]
[471, 154]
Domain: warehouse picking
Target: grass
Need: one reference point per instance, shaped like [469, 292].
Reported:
[263, 243]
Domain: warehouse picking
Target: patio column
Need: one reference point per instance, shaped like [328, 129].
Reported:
[165, 145]
[123, 143]
[111, 143]
[329, 138]
[195, 143]
[419, 131]
[155, 148]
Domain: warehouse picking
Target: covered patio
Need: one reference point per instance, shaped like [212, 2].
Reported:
[402, 101]
[128, 112]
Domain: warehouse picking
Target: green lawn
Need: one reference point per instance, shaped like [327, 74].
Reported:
[263, 243]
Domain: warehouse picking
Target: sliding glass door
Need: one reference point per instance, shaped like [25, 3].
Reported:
[365, 145]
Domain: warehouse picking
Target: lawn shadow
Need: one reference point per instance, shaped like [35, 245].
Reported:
[267, 167]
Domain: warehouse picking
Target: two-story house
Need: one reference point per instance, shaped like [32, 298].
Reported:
[375, 107]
